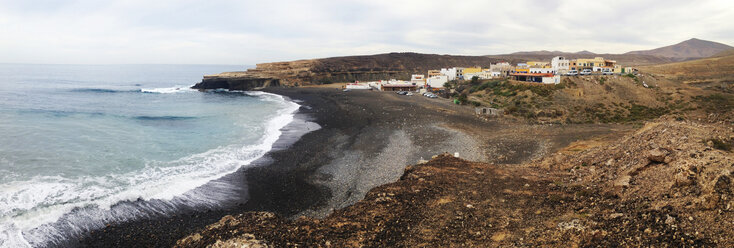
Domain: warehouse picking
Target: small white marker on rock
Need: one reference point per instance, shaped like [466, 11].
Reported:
[456, 154]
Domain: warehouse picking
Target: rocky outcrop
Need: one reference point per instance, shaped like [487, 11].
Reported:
[245, 82]
[339, 69]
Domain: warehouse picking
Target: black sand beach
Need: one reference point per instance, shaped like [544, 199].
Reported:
[366, 140]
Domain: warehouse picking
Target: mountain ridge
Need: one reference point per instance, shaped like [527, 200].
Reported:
[690, 49]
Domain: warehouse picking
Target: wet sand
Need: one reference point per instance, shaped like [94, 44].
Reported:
[367, 138]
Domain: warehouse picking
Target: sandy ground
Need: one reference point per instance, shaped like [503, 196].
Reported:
[367, 139]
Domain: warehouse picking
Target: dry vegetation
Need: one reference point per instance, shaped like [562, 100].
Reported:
[718, 69]
[668, 90]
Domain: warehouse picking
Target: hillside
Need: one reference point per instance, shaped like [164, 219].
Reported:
[717, 69]
[690, 49]
[341, 69]
[593, 99]
[665, 185]
[601, 99]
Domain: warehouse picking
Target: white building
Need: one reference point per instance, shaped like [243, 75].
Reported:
[418, 79]
[449, 72]
[500, 69]
[560, 65]
[460, 73]
[541, 70]
[358, 86]
[552, 80]
[437, 81]
[480, 75]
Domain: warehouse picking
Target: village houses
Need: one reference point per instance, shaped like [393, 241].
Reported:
[546, 72]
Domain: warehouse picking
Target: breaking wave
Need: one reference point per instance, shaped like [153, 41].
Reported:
[48, 210]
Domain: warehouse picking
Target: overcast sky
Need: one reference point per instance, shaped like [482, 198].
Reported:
[249, 32]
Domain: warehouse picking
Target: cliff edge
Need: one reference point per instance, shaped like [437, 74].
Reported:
[338, 69]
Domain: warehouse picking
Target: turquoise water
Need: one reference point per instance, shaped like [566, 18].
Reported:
[88, 137]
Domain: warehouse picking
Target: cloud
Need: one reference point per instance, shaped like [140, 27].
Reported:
[249, 32]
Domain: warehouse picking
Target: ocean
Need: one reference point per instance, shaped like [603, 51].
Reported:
[85, 145]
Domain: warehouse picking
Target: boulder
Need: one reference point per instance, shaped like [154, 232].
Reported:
[657, 155]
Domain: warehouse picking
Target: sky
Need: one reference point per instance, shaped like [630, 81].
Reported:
[249, 32]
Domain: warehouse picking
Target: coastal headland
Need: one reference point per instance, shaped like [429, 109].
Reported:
[337, 69]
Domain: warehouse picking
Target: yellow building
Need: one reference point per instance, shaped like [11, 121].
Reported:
[471, 70]
[432, 73]
[538, 64]
[590, 63]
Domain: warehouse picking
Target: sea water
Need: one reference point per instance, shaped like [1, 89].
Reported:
[77, 140]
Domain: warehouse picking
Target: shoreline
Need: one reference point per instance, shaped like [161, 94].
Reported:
[185, 219]
[222, 193]
[366, 140]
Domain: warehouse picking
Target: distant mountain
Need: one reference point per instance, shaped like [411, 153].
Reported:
[686, 50]
[711, 70]
[623, 59]
[690, 49]
[584, 52]
[542, 52]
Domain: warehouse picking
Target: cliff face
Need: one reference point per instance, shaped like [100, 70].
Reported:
[339, 69]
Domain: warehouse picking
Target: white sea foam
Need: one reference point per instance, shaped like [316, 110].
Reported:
[168, 90]
[45, 210]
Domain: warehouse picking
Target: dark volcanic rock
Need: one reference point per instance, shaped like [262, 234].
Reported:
[236, 83]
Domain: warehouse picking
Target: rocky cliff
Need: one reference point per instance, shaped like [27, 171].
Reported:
[339, 69]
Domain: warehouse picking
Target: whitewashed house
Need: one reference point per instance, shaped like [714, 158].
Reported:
[418, 80]
[541, 70]
[449, 72]
[437, 81]
[560, 65]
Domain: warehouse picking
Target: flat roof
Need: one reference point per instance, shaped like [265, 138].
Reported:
[533, 74]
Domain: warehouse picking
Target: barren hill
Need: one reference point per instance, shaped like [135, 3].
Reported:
[716, 69]
[690, 49]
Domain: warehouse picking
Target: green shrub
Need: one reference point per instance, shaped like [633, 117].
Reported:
[462, 99]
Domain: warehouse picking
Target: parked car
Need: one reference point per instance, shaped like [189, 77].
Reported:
[346, 90]
[607, 72]
[402, 92]
[585, 72]
[572, 73]
[409, 94]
